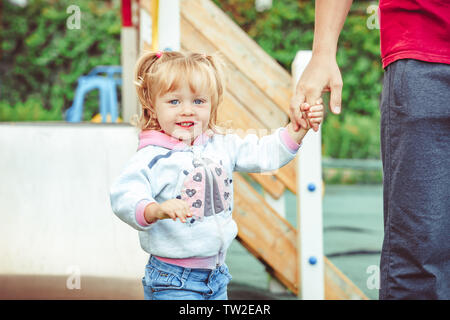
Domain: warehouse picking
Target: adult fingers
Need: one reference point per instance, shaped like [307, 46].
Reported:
[294, 110]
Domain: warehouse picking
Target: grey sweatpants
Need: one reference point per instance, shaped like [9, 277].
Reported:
[415, 147]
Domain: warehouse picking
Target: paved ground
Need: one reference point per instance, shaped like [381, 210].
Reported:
[353, 235]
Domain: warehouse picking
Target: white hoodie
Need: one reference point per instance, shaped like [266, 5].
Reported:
[164, 168]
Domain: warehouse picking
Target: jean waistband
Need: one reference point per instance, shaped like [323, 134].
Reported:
[197, 262]
[198, 274]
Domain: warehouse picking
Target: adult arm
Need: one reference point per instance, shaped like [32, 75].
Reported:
[322, 72]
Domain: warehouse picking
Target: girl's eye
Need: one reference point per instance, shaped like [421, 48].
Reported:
[198, 101]
[175, 101]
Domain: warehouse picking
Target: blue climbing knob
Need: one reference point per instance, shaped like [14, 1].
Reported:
[311, 187]
[312, 260]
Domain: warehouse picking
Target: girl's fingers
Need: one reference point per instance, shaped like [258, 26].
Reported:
[316, 108]
[171, 214]
[315, 127]
[315, 114]
[185, 208]
[316, 120]
[181, 215]
[304, 107]
[187, 211]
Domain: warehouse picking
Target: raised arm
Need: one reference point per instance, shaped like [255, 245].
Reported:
[322, 72]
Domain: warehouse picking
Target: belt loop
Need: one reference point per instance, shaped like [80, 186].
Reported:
[185, 274]
[210, 275]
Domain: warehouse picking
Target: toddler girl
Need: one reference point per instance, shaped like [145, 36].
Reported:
[177, 190]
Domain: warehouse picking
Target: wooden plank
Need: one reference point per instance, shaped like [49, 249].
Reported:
[267, 235]
[271, 184]
[272, 240]
[238, 84]
[338, 286]
[288, 176]
[240, 49]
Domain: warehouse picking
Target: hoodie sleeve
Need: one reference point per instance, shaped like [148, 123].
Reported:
[130, 193]
[254, 154]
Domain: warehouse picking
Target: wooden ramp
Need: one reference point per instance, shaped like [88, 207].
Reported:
[258, 95]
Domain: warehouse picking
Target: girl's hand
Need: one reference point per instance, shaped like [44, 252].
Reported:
[170, 209]
[313, 114]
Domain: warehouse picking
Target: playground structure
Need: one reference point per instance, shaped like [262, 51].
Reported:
[107, 93]
[257, 101]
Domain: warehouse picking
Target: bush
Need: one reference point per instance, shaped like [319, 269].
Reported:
[43, 58]
[30, 110]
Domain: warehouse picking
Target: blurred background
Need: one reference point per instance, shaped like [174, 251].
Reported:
[41, 61]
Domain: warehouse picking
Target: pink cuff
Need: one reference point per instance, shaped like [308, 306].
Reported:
[290, 143]
[140, 209]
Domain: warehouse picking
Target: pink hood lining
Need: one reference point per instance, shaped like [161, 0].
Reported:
[161, 139]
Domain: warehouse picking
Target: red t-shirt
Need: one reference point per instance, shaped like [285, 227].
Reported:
[415, 29]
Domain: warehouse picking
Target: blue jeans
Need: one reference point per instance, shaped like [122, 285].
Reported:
[164, 281]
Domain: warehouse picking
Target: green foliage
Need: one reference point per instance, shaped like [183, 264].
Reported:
[354, 136]
[288, 27]
[30, 110]
[352, 176]
[42, 58]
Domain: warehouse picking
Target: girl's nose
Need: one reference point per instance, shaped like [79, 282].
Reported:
[187, 109]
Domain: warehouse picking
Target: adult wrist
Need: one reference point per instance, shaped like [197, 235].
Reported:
[324, 53]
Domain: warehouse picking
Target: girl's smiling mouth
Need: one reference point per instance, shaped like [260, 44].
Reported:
[185, 124]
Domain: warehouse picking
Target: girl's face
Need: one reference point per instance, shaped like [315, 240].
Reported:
[182, 105]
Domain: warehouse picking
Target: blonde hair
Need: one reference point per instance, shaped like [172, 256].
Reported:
[157, 73]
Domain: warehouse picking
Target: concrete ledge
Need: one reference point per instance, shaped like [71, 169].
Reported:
[54, 201]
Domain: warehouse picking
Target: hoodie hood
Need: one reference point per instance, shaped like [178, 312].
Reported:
[162, 139]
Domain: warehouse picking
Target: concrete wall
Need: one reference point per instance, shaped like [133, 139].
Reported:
[55, 215]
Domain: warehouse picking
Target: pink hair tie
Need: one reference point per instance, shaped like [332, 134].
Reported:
[159, 54]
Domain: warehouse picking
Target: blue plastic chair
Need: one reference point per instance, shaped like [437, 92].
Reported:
[107, 86]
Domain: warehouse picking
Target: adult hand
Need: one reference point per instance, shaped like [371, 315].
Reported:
[320, 75]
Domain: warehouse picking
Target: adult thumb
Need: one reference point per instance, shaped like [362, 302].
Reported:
[336, 98]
